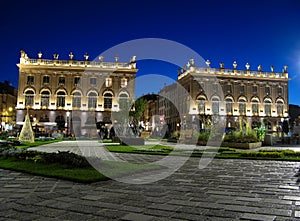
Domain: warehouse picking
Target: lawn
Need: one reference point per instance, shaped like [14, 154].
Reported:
[222, 152]
[83, 175]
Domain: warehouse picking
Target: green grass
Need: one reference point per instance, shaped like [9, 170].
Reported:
[37, 143]
[83, 175]
[223, 152]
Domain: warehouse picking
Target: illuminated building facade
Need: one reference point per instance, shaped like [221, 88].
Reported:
[8, 102]
[256, 95]
[71, 95]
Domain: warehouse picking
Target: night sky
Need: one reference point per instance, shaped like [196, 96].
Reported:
[261, 32]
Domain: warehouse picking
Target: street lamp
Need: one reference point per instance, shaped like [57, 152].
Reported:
[68, 115]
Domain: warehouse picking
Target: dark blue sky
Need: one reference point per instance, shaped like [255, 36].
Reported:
[265, 32]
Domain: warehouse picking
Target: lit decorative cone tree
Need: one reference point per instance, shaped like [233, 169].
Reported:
[27, 134]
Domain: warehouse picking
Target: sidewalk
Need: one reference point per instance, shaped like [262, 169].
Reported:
[225, 190]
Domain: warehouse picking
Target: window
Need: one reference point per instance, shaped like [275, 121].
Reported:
[279, 90]
[93, 81]
[215, 87]
[76, 81]
[215, 105]
[228, 105]
[30, 80]
[268, 90]
[123, 102]
[202, 87]
[76, 100]
[228, 88]
[45, 96]
[92, 100]
[268, 108]
[279, 108]
[61, 80]
[201, 105]
[29, 98]
[242, 89]
[123, 82]
[254, 89]
[255, 107]
[242, 106]
[107, 101]
[46, 79]
[108, 82]
[61, 96]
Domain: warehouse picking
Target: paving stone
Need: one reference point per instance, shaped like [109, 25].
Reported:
[248, 216]
[297, 214]
[292, 198]
[137, 217]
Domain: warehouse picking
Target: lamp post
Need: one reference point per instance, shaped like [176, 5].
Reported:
[68, 115]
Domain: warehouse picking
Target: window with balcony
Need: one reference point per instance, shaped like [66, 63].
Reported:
[280, 108]
[29, 98]
[254, 107]
[45, 98]
[267, 107]
[201, 105]
[228, 102]
[76, 100]
[242, 106]
[123, 101]
[61, 99]
[215, 105]
[107, 100]
[92, 100]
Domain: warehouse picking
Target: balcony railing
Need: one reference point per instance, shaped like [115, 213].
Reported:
[48, 62]
[226, 71]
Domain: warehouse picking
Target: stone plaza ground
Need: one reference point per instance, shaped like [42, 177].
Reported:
[226, 189]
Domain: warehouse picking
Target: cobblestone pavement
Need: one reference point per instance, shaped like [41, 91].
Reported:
[224, 190]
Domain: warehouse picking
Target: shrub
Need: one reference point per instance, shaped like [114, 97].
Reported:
[273, 154]
[62, 157]
[175, 135]
[240, 137]
[203, 136]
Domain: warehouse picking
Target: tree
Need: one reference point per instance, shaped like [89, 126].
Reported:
[136, 113]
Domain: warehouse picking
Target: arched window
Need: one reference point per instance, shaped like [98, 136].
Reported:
[92, 100]
[61, 99]
[242, 106]
[267, 107]
[29, 98]
[45, 97]
[279, 108]
[76, 100]
[215, 105]
[255, 107]
[201, 104]
[228, 102]
[107, 100]
[123, 101]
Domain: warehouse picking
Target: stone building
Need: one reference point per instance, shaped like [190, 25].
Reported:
[8, 102]
[256, 95]
[72, 95]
